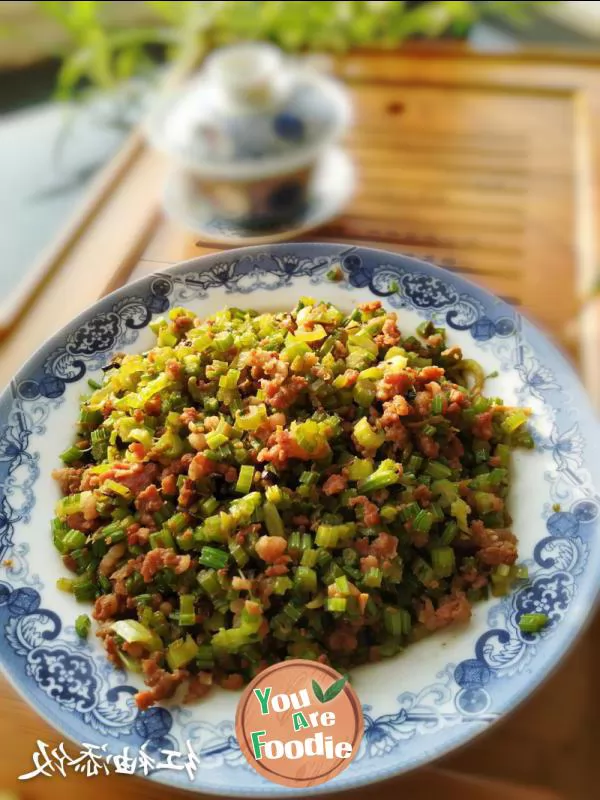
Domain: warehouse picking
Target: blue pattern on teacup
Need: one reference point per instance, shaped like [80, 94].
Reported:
[305, 118]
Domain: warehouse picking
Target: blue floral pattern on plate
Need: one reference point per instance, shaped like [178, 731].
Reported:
[71, 683]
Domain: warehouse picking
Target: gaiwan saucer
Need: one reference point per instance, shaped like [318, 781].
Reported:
[331, 189]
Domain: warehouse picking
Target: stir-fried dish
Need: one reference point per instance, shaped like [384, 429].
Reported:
[303, 484]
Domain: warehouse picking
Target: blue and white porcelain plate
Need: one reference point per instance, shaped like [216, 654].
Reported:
[418, 706]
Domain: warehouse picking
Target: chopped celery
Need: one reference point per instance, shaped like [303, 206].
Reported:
[442, 561]
[366, 436]
[337, 604]
[251, 419]
[533, 623]
[330, 535]
[460, 510]
[274, 495]
[360, 468]
[181, 652]
[187, 615]
[233, 639]
[212, 557]
[72, 454]
[133, 631]
[305, 579]
[514, 421]
[273, 521]
[245, 479]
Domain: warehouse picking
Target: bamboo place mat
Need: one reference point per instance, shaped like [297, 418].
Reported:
[487, 165]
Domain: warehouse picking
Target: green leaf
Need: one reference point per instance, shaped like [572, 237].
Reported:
[83, 13]
[318, 692]
[56, 10]
[72, 71]
[169, 11]
[103, 51]
[334, 689]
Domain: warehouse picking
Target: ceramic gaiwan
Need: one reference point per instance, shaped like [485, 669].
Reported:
[250, 130]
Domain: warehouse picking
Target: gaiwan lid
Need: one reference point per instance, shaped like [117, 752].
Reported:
[249, 113]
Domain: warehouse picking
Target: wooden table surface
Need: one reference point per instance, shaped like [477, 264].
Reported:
[487, 165]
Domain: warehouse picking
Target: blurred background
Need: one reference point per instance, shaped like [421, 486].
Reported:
[474, 143]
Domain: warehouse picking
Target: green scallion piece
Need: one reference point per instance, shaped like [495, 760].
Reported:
[134, 584]
[437, 470]
[273, 521]
[309, 558]
[282, 584]
[514, 421]
[388, 513]
[85, 590]
[181, 652]
[366, 436]
[209, 582]
[209, 506]
[378, 480]
[187, 615]
[59, 530]
[414, 464]
[329, 535]
[336, 604]
[117, 489]
[240, 556]
[437, 404]
[214, 558]
[245, 479]
[360, 468]
[533, 623]
[393, 621]
[82, 626]
[205, 658]
[373, 577]
[143, 599]
[230, 379]
[406, 621]
[422, 570]
[309, 478]
[162, 538]
[295, 543]
[305, 579]
[342, 585]
[442, 561]
[292, 611]
[71, 455]
[223, 341]
[423, 521]
[274, 495]
[216, 440]
[409, 511]
[73, 540]
[449, 533]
